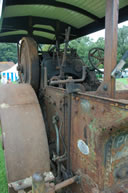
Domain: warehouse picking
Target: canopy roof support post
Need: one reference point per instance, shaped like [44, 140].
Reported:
[107, 88]
[110, 58]
[30, 26]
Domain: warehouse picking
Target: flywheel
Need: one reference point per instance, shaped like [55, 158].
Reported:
[28, 66]
[23, 132]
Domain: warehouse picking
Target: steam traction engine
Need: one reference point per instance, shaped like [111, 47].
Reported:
[63, 130]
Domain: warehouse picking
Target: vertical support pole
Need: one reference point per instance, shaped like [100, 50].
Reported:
[45, 78]
[38, 184]
[30, 26]
[111, 27]
[69, 90]
[18, 53]
[69, 133]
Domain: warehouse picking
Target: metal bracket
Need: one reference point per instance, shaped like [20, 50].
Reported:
[72, 88]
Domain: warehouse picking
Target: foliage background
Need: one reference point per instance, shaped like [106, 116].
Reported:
[84, 44]
[8, 51]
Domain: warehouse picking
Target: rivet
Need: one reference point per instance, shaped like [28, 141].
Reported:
[105, 87]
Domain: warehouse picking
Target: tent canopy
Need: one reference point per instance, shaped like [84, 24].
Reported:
[47, 19]
[6, 65]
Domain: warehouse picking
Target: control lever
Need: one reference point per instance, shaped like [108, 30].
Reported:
[120, 65]
[67, 35]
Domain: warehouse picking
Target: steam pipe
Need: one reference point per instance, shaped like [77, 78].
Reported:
[70, 79]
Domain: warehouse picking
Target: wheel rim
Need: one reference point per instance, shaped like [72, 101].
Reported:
[98, 55]
[29, 63]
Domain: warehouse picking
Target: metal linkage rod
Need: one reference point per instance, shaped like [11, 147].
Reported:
[66, 183]
[40, 187]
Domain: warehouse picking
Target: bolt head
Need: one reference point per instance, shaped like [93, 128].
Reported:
[105, 87]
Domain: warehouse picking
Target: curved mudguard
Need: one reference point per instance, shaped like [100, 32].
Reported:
[23, 131]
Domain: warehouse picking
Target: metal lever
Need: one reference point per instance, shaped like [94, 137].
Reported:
[120, 65]
[67, 34]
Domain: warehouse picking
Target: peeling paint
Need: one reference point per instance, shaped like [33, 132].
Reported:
[85, 105]
[92, 125]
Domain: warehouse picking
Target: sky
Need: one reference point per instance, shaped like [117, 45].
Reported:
[101, 33]
[95, 35]
[1, 5]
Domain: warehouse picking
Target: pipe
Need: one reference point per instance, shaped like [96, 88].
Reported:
[57, 135]
[66, 183]
[57, 144]
[70, 79]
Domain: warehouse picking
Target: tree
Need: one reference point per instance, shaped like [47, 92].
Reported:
[122, 42]
[8, 52]
[84, 44]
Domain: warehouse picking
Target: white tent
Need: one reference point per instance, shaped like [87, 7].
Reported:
[11, 73]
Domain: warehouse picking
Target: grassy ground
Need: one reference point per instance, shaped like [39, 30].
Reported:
[122, 84]
[3, 180]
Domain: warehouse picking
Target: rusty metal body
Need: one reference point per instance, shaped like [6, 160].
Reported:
[23, 129]
[102, 124]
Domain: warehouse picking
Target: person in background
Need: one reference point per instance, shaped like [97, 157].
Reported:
[9, 81]
[4, 80]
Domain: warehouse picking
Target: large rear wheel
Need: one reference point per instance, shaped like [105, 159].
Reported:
[24, 134]
[28, 66]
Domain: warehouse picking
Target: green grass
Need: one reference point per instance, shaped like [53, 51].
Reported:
[3, 179]
[122, 84]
